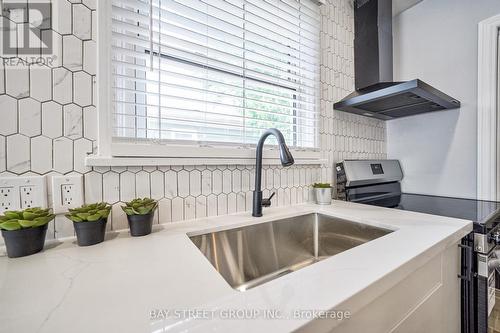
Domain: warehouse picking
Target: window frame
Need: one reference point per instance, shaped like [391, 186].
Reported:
[111, 153]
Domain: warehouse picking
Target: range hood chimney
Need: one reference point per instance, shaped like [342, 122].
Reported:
[376, 94]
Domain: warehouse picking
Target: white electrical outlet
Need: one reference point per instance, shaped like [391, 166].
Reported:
[22, 192]
[67, 192]
[26, 195]
[7, 199]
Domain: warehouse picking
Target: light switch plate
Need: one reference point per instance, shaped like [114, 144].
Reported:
[67, 192]
[22, 192]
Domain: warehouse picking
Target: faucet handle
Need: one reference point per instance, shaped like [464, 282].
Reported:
[267, 202]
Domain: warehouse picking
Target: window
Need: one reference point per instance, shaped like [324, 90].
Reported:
[214, 73]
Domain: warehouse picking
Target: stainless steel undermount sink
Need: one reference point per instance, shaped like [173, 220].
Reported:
[252, 255]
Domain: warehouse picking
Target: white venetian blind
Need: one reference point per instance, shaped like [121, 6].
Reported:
[215, 71]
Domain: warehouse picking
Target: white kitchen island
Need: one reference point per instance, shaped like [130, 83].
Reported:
[405, 281]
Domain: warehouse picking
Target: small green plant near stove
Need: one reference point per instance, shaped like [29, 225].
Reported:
[140, 214]
[321, 185]
[24, 231]
[322, 193]
[90, 222]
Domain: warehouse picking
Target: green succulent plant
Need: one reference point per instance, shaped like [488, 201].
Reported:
[89, 213]
[140, 206]
[28, 218]
[321, 185]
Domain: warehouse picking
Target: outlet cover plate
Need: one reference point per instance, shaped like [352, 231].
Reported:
[33, 188]
[67, 192]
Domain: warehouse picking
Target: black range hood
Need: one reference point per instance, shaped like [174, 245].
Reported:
[376, 95]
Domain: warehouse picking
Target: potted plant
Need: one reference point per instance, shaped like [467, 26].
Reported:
[323, 193]
[140, 215]
[90, 222]
[24, 231]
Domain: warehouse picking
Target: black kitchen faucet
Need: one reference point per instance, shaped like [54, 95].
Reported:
[286, 160]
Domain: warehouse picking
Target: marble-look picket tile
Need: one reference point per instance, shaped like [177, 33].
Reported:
[217, 181]
[63, 155]
[8, 27]
[248, 200]
[8, 105]
[222, 204]
[170, 184]
[240, 202]
[127, 186]
[143, 185]
[290, 178]
[53, 55]
[82, 24]
[245, 180]
[18, 153]
[277, 178]
[118, 217]
[236, 181]
[183, 183]
[72, 53]
[268, 177]
[189, 208]
[82, 148]
[52, 119]
[206, 182]
[157, 185]
[90, 57]
[201, 206]
[41, 154]
[111, 187]
[226, 181]
[93, 187]
[164, 211]
[212, 205]
[17, 82]
[293, 195]
[280, 193]
[61, 16]
[30, 117]
[177, 209]
[73, 121]
[287, 198]
[90, 122]
[63, 227]
[195, 183]
[40, 77]
[62, 81]
[82, 88]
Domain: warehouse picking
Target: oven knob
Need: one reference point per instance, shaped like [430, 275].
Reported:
[495, 238]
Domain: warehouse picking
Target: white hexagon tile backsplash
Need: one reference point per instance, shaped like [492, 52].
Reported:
[49, 125]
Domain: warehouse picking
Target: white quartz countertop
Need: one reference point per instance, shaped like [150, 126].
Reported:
[114, 286]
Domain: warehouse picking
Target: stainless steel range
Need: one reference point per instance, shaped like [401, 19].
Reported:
[377, 182]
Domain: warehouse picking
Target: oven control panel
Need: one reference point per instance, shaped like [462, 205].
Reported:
[377, 168]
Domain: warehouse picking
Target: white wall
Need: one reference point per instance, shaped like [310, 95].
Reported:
[436, 41]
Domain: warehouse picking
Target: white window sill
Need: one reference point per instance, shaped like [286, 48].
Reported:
[155, 155]
[162, 161]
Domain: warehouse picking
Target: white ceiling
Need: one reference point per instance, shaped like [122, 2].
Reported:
[401, 5]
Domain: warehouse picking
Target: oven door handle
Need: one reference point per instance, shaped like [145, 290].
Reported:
[468, 262]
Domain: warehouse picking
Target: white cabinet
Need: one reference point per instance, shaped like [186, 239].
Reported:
[426, 300]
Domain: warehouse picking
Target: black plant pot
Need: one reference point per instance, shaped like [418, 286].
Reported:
[140, 225]
[90, 233]
[24, 242]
